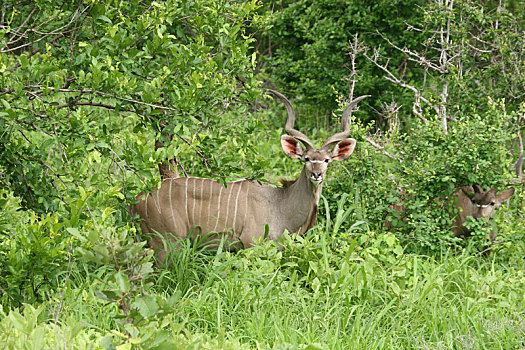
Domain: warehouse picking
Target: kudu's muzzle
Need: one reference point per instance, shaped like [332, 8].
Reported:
[317, 177]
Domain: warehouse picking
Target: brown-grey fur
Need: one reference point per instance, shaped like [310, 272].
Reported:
[477, 203]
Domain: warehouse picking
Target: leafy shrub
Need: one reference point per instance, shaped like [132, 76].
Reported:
[432, 165]
[427, 166]
[33, 252]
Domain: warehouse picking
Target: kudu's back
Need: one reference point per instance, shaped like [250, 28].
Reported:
[201, 206]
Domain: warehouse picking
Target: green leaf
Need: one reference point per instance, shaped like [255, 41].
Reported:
[390, 239]
[24, 61]
[146, 305]
[46, 144]
[17, 320]
[122, 281]
[108, 295]
[76, 233]
[104, 18]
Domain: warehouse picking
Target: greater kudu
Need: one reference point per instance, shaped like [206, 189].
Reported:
[242, 209]
[469, 201]
[478, 204]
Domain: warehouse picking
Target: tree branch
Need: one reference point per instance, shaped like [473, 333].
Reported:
[379, 147]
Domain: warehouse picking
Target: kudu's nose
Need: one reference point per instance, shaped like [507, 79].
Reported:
[316, 176]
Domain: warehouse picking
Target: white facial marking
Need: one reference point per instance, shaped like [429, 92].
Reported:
[315, 182]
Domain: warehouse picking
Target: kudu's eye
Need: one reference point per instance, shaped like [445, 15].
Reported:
[492, 203]
[326, 160]
[306, 159]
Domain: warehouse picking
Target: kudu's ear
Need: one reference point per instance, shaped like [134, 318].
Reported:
[468, 191]
[505, 195]
[478, 189]
[291, 146]
[343, 149]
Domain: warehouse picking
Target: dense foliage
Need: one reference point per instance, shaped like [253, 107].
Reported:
[91, 79]
[95, 95]
[309, 47]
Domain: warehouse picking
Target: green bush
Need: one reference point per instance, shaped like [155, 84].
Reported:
[34, 251]
[432, 165]
[427, 166]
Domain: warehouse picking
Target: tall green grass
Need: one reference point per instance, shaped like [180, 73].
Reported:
[327, 290]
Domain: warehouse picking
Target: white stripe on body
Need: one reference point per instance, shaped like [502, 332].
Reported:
[186, 202]
[245, 207]
[236, 203]
[147, 195]
[200, 207]
[209, 203]
[194, 200]
[171, 207]
[228, 208]
[218, 209]
[157, 203]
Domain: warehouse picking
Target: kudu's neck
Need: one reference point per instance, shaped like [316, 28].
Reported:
[300, 202]
[303, 189]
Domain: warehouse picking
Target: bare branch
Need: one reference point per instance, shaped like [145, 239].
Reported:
[101, 93]
[41, 89]
[413, 56]
[57, 176]
[417, 109]
[79, 103]
[379, 147]
[61, 31]
[356, 47]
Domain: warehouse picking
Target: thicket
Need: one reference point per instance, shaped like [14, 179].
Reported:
[95, 95]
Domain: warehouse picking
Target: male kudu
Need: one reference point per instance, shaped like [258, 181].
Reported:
[243, 209]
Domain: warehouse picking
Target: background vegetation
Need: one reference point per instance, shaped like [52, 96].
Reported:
[95, 95]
